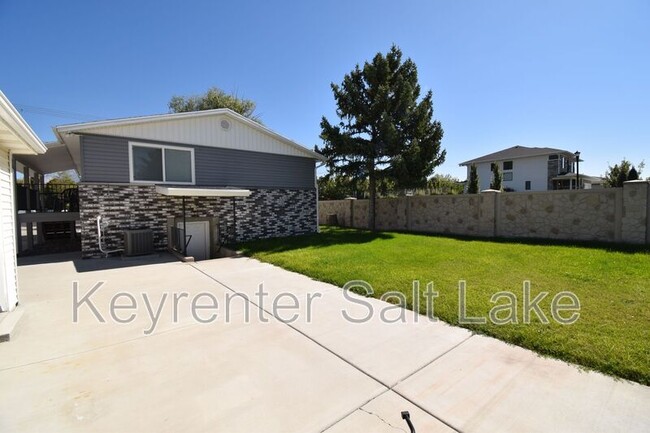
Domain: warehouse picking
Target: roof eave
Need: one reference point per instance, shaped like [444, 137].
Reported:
[78, 127]
[20, 127]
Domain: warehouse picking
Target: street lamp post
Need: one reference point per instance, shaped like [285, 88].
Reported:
[577, 154]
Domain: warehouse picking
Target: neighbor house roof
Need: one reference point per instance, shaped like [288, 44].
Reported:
[215, 128]
[515, 152]
[15, 134]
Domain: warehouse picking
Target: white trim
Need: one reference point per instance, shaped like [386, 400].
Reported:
[202, 192]
[19, 127]
[162, 147]
[83, 127]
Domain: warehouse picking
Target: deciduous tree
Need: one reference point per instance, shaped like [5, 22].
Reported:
[212, 99]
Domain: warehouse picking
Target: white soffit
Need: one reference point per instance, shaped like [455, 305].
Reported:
[201, 192]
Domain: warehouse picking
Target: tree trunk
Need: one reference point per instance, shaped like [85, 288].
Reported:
[372, 193]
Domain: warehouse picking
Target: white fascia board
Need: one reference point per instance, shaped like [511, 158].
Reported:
[20, 127]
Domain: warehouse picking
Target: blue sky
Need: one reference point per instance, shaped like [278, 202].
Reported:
[568, 74]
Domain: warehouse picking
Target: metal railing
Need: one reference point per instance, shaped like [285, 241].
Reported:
[52, 197]
[179, 241]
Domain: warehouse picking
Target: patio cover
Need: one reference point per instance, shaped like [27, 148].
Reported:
[202, 192]
[55, 159]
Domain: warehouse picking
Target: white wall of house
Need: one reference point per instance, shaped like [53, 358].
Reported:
[533, 169]
[8, 292]
[16, 137]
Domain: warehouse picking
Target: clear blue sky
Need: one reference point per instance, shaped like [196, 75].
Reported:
[568, 74]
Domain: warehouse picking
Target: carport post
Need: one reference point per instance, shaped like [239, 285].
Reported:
[184, 228]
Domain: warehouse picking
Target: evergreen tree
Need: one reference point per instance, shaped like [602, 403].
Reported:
[472, 182]
[617, 175]
[497, 180]
[385, 130]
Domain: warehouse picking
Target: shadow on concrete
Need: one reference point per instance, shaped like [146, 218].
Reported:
[91, 265]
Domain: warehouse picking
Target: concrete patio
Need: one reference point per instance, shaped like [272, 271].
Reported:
[249, 370]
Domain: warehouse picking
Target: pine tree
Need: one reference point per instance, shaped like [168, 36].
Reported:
[497, 180]
[385, 130]
[472, 187]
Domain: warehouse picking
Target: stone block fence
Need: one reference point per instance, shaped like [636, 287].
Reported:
[605, 215]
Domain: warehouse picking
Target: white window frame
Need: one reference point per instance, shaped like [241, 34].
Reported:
[163, 147]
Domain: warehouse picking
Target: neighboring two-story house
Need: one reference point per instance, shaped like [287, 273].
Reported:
[531, 169]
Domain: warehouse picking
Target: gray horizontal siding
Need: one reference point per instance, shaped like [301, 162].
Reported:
[228, 167]
[106, 159]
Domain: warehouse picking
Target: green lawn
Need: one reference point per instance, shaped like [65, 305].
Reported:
[612, 334]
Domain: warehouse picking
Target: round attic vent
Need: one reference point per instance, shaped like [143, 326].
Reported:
[225, 124]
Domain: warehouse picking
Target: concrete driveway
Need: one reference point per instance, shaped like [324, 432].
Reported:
[203, 348]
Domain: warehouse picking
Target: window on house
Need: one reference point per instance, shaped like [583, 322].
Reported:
[527, 185]
[161, 164]
[507, 176]
[507, 165]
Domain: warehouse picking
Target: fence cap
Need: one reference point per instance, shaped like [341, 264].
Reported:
[632, 182]
[490, 191]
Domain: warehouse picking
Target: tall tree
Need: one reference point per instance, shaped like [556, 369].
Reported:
[620, 173]
[472, 182]
[385, 130]
[213, 98]
[497, 179]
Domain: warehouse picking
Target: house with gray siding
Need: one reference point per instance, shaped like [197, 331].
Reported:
[213, 176]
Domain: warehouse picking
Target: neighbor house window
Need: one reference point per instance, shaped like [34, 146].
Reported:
[161, 164]
[507, 165]
[527, 185]
[507, 176]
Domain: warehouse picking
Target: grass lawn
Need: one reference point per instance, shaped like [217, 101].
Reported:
[612, 334]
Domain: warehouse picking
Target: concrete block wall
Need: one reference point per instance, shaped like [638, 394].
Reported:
[606, 215]
[586, 215]
[265, 213]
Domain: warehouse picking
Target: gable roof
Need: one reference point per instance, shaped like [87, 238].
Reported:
[220, 127]
[15, 134]
[515, 152]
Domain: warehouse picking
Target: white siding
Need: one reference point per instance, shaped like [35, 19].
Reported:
[8, 285]
[533, 169]
[203, 131]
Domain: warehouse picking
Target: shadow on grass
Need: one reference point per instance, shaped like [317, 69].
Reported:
[599, 245]
[327, 237]
[331, 235]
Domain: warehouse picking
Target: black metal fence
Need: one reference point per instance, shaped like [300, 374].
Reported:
[53, 197]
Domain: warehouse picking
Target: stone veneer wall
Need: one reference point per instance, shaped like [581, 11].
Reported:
[265, 213]
[609, 214]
